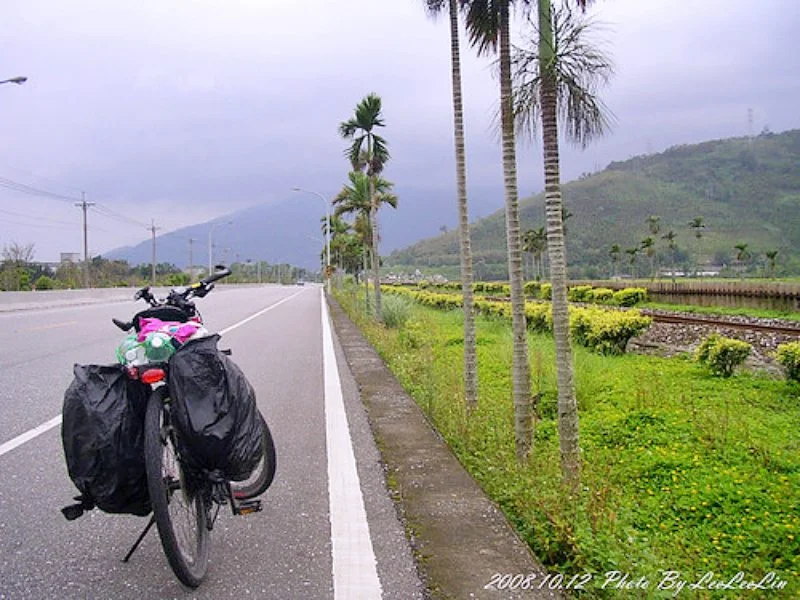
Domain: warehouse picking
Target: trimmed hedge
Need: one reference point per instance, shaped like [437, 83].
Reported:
[602, 295]
[580, 293]
[606, 331]
[788, 356]
[630, 296]
[601, 330]
[531, 288]
[722, 355]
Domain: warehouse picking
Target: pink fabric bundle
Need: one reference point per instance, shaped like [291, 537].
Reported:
[179, 331]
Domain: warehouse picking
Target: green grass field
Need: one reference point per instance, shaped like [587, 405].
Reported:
[681, 471]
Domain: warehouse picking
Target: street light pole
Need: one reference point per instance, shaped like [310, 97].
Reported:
[210, 257]
[327, 235]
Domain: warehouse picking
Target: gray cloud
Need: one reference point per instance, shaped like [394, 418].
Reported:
[181, 111]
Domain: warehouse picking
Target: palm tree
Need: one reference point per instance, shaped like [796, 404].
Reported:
[772, 255]
[697, 225]
[649, 247]
[670, 237]
[470, 352]
[362, 197]
[614, 254]
[653, 224]
[565, 214]
[527, 247]
[366, 118]
[632, 252]
[742, 256]
[559, 78]
[534, 242]
[488, 28]
[337, 228]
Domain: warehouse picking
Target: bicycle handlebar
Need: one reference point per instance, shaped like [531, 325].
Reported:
[180, 300]
[216, 276]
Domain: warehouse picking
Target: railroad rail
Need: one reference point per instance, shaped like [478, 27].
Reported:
[782, 329]
[708, 321]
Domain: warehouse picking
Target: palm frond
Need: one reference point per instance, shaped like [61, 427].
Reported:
[580, 67]
[482, 18]
[380, 154]
[368, 113]
[435, 7]
[347, 129]
[353, 153]
[386, 198]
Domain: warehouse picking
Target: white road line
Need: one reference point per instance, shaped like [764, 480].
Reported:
[259, 313]
[36, 431]
[29, 435]
[355, 574]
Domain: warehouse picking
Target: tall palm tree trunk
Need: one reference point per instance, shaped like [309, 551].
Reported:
[373, 219]
[567, 404]
[523, 421]
[365, 269]
[470, 353]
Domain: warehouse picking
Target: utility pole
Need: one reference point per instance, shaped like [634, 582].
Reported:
[191, 260]
[259, 272]
[85, 205]
[153, 229]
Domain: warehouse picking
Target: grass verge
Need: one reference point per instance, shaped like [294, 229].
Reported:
[682, 471]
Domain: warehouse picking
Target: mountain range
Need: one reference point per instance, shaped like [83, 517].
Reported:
[288, 231]
[747, 191]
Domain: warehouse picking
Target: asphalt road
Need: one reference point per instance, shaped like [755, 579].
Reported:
[285, 552]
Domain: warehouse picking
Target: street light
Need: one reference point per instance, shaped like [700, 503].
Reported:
[210, 231]
[17, 80]
[327, 235]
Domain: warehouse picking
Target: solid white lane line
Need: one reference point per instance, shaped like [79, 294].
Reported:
[36, 431]
[355, 574]
[29, 435]
[259, 313]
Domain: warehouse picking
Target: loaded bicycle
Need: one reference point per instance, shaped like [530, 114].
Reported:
[204, 443]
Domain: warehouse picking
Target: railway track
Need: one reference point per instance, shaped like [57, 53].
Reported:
[708, 321]
[722, 323]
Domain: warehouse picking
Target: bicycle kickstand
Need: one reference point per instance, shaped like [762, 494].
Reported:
[139, 539]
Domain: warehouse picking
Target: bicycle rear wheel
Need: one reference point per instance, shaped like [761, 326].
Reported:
[261, 478]
[180, 512]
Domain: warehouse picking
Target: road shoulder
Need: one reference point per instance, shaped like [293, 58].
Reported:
[461, 540]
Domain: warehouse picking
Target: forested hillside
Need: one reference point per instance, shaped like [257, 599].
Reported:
[746, 190]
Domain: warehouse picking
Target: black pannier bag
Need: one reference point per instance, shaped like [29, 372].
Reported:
[103, 436]
[214, 411]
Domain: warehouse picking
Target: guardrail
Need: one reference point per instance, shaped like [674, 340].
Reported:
[704, 288]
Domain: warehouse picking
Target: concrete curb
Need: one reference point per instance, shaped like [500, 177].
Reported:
[461, 540]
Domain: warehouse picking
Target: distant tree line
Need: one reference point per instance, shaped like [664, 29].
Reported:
[20, 272]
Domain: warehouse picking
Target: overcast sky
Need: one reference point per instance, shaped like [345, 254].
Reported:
[183, 111]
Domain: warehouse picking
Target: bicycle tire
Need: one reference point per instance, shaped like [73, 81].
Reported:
[181, 519]
[262, 476]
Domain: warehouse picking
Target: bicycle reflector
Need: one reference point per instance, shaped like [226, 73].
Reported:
[152, 376]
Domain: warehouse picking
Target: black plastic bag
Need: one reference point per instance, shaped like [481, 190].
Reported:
[103, 436]
[214, 411]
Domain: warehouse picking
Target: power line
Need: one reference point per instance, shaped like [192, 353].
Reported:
[107, 212]
[36, 217]
[41, 225]
[33, 191]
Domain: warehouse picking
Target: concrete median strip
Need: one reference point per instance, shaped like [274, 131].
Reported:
[462, 541]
